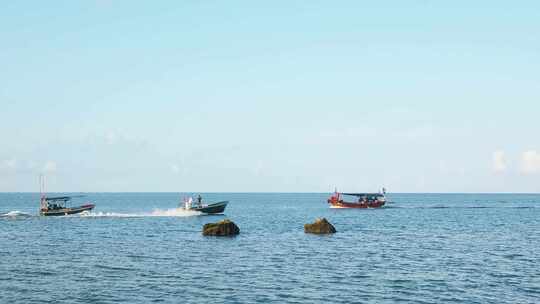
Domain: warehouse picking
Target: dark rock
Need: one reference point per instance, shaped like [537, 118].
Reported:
[221, 228]
[321, 226]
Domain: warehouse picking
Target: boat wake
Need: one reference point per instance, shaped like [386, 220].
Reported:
[15, 214]
[175, 212]
[463, 207]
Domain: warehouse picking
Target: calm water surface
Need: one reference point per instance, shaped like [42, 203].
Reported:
[135, 248]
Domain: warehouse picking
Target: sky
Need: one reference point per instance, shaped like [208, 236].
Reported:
[274, 96]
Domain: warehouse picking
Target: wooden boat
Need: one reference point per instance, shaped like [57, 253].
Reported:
[212, 208]
[363, 200]
[57, 206]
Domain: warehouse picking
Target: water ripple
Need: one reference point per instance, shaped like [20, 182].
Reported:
[421, 249]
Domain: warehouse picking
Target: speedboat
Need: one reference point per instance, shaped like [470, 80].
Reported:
[208, 208]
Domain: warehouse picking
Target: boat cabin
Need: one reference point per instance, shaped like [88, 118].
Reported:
[54, 203]
[368, 197]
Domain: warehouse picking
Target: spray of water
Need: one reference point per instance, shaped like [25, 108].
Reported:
[15, 213]
[175, 212]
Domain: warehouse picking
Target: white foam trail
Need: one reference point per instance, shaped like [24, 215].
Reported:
[109, 214]
[175, 212]
[15, 213]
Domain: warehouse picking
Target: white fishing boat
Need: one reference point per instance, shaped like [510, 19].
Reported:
[198, 205]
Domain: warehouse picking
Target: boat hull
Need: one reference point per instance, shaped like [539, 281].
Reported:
[215, 208]
[342, 204]
[66, 211]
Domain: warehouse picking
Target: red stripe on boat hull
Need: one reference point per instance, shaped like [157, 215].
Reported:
[342, 204]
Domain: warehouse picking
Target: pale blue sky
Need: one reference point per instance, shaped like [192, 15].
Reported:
[418, 96]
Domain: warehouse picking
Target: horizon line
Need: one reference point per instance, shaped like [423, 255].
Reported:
[263, 192]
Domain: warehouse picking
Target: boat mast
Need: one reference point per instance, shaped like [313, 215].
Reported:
[43, 203]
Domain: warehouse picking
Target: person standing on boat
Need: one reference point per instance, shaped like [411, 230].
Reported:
[199, 200]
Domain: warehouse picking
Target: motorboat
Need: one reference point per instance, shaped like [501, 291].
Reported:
[200, 206]
[59, 205]
[56, 206]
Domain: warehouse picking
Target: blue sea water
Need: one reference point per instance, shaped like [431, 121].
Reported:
[135, 248]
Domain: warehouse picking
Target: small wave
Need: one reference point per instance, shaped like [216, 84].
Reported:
[15, 214]
[175, 212]
[114, 268]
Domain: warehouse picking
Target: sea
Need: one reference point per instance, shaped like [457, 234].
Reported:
[138, 248]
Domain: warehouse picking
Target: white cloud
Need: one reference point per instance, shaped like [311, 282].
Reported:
[499, 161]
[443, 167]
[175, 169]
[111, 137]
[258, 169]
[530, 162]
[49, 166]
[9, 164]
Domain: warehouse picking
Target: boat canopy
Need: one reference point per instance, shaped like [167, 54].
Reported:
[60, 198]
[364, 194]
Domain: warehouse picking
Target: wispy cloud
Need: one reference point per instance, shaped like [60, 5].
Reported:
[499, 161]
[530, 162]
[49, 166]
[111, 137]
[175, 168]
[9, 164]
[118, 138]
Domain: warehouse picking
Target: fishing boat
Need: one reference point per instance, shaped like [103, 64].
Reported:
[58, 206]
[362, 200]
[208, 208]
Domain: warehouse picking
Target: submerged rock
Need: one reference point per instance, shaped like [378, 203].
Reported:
[320, 226]
[221, 228]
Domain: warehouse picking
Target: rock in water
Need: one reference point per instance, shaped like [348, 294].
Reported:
[321, 226]
[221, 228]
